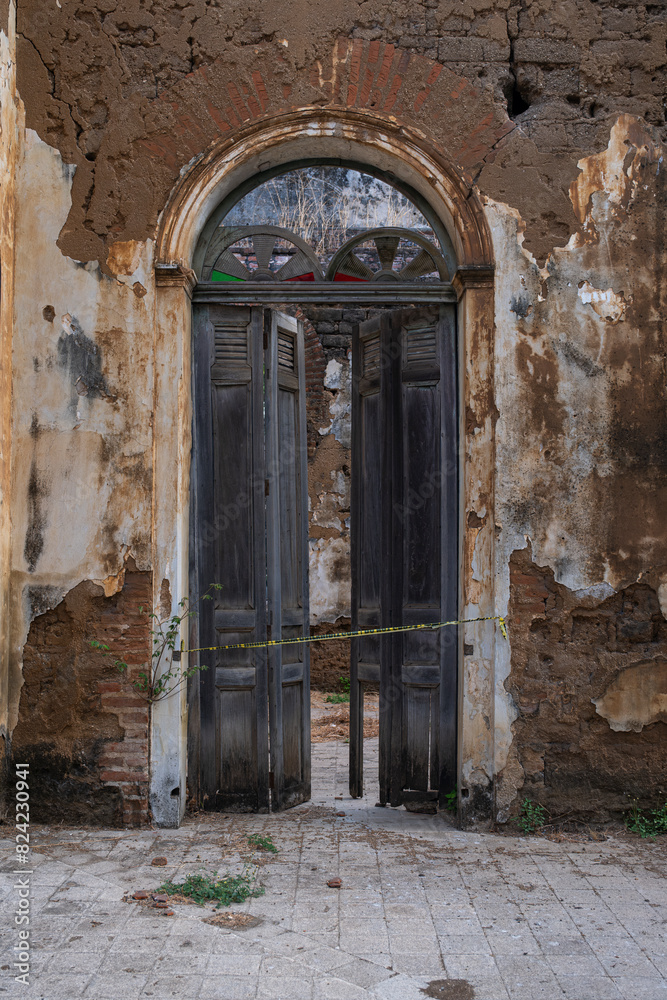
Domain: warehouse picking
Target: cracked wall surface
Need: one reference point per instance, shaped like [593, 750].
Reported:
[130, 92]
[581, 473]
[82, 727]
[588, 680]
[553, 114]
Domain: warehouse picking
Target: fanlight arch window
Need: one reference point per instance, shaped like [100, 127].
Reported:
[323, 224]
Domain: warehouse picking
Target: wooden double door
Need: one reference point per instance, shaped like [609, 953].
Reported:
[250, 535]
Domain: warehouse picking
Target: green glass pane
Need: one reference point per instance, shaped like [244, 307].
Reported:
[219, 276]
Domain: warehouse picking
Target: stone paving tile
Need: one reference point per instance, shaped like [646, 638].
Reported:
[68, 962]
[186, 986]
[284, 988]
[427, 965]
[517, 918]
[337, 989]
[634, 988]
[54, 987]
[400, 988]
[228, 988]
[118, 986]
[597, 988]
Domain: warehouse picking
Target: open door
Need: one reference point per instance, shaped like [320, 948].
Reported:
[249, 501]
[287, 559]
[404, 539]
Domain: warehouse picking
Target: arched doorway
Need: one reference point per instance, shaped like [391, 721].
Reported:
[213, 188]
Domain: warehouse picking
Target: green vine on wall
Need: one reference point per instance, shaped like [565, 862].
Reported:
[163, 675]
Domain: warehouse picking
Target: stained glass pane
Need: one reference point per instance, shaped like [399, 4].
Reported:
[219, 276]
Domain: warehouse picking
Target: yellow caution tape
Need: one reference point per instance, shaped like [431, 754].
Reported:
[351, 635]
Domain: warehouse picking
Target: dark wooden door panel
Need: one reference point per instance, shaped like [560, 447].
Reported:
[287, 560]
[366, 529]
[405, 547]
[250, 536]
[228, 507]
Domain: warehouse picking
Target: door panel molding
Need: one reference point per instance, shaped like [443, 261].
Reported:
[406, 511]
[287, 559]
[250, 536]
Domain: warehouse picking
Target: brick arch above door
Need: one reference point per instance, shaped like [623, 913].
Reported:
[396, 88]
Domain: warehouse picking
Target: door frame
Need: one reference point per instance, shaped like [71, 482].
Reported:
[382, 145]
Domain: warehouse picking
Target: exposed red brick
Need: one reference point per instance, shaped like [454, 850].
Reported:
[218, 117]
[260, 90]
[432, 77]
[387, 60]
[366, 89]
[237, 101]
[395, 87]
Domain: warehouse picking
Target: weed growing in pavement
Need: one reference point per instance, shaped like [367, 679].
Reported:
[262, 843]
[342, 697]
[646, 822]
[532, 816]
[204, 889]
[451, 800]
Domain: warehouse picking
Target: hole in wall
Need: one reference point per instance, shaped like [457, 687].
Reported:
[517, 104]
[175, 792]
[516, 93]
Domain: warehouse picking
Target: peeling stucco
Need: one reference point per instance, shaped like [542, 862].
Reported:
[329, 579]
[580, 385]
[607, 303]
[81, 420]
[637, 697]
[10, 129]
[546, 116]
[338, 378]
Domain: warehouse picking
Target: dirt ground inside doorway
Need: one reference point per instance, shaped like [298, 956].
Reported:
[330, 717]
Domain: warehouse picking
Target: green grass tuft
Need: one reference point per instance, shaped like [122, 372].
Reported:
[262, 843]
[451, 800]
[531, 817]
[203, 889]
[647, 822]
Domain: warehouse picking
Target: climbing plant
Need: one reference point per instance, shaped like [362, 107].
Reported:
[163, 674]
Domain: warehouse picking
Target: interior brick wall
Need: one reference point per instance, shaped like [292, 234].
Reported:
[83, 728]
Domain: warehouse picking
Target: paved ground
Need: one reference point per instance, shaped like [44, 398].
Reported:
[486, 917]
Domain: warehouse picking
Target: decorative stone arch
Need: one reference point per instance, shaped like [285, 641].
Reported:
[361, 137]
[404, 156]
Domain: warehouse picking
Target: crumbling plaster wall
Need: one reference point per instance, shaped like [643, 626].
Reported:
[553, 110]
[328, 414]
[10, 124]
[130, 92]
[582, 482]
[81, 427]
[82, 727]
[83, 401]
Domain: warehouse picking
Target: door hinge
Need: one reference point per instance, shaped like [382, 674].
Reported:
[271, 779]
[266, 487]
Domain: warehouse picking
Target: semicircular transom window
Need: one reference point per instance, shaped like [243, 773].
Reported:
[324, 224]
